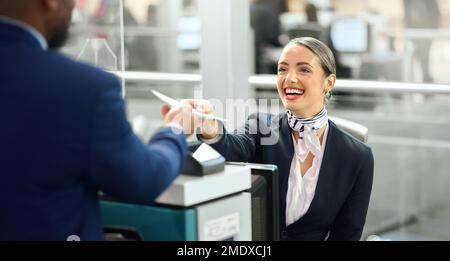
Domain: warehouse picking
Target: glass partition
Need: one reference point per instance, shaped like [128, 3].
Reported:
[96, 34]
[139, 35]
[162, 35]
[144, 109]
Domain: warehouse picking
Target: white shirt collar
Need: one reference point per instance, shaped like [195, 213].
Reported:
[38, 36]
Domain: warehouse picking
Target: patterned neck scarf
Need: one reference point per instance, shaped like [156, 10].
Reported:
[308, 139]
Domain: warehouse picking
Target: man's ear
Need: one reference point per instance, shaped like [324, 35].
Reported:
[50, 5]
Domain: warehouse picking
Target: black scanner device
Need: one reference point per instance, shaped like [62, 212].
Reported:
[202, 160]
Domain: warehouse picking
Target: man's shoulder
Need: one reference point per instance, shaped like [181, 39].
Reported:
[75, 71]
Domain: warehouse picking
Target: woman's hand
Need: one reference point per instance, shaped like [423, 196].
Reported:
[209, 128]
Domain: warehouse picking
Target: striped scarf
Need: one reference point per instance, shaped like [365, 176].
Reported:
[307, 128]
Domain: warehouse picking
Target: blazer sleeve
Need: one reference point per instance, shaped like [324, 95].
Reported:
[241, 144]
[120, 164]
[350, 220]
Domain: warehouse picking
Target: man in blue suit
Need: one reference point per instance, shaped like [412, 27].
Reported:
[64, 134]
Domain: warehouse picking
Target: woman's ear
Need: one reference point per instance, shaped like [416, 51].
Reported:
[329, 83]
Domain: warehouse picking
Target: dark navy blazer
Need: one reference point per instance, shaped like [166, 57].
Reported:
[64, 136]
[341, 199]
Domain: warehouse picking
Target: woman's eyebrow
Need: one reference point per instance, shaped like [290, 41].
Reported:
[298, 64]
[304, 63]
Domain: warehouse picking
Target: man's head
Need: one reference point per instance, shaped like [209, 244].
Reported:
[50, 17]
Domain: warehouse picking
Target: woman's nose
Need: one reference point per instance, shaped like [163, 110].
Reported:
[291, 77]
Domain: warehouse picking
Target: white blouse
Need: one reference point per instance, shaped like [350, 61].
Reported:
[301, 190]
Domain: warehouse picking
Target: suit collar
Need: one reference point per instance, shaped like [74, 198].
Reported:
[22, 31]
[286, 147]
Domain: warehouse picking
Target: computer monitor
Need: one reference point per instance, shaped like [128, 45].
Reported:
[350, 35]
[265, 201]
[189, 37]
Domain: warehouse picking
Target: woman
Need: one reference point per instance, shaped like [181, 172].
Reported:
[325, 174]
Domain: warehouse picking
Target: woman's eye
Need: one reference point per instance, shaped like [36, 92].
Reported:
[281, 69]
[305, 70]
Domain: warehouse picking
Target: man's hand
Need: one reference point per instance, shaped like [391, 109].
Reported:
[181, 116]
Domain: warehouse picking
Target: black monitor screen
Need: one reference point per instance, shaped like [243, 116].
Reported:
[265, 204]
[350, 35]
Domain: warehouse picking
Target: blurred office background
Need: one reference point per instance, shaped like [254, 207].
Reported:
[393, 59]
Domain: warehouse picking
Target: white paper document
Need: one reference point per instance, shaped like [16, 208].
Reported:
[174, 103]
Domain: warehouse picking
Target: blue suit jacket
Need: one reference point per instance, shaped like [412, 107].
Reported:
[63, 136]
[343, 190]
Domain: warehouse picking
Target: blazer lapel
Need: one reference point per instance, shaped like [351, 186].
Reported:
[284, 154]
[19, 35]
[328, 168]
